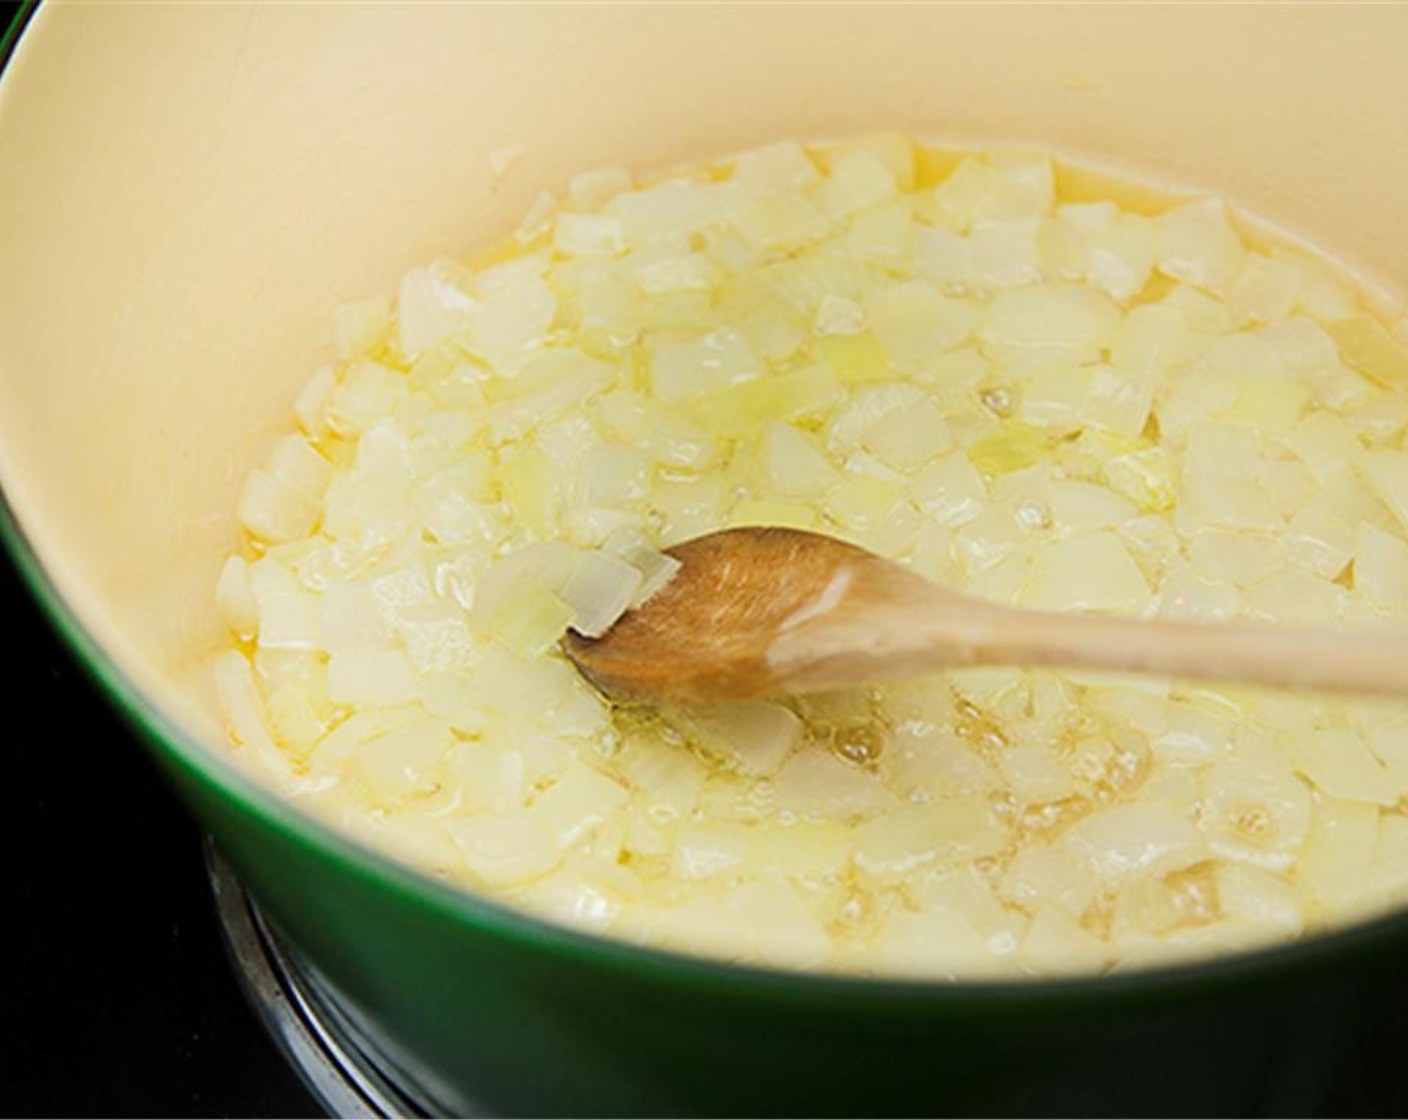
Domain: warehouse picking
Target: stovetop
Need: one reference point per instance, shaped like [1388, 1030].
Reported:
[120, 1000]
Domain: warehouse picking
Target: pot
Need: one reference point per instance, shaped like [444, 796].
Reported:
[188, 189]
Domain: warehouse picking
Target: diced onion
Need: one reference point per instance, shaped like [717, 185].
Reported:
[1091, 572]
[1136, 838]
[754, 736]
[507, 850]
[236, 598]
[429, 309]
[599, 590]
[968, 363]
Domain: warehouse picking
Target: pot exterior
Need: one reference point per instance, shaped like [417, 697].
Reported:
[479, 1022]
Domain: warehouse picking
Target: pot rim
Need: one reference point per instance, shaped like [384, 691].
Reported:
[176, 745]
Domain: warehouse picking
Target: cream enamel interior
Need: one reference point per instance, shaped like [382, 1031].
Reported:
[189, 189]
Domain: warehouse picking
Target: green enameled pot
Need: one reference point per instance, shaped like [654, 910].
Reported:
[187, 189]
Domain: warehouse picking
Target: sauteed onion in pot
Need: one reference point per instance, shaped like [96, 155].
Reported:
[973, 363]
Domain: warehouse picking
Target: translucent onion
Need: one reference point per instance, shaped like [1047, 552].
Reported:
[1044, 401]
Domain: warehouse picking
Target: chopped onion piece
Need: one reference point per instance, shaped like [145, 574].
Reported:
[588, 235]
[1051, 314]
[915, 322]
[239, 698]
[656, 571]
[780, 223]
[796, 467]
[599, 591]
[1198, 245]
[369, 392]
[589, 190]
[1339, 850]
[855, 181]
[893, 846]
[1055, 943]
[577, 803]
[1266, 289]
[505, 851]
[312, 402]
[954, 202]
[273, 509]
[815, 784]
[403, 762]
[1004, 254]
[949, 490]
[1371, 348]
[236, 598]
[1152, 339]
[1092, 572]
[429, 309]
[1326, 444]
[1340, 765]
[776, 924]
[1136, 838]
[1035, 775]
[1321, 544]
[715, 361]
[372, 677]
[1387, 474]
[883, 234]
[704, 850]
[775, 168]
[1049, 878]
[1381, 568]
[753, 736]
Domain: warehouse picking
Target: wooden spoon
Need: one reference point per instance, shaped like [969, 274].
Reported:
[768, 611]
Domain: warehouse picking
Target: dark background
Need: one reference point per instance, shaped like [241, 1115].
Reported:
[120, 1000]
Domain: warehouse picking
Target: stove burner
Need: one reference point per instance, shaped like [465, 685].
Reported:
[338, 1070]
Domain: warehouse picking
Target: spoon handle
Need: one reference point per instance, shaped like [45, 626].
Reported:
[1366, 662]
[900, 625]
